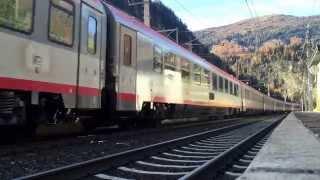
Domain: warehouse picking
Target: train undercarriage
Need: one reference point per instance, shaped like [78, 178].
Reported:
[18, 111]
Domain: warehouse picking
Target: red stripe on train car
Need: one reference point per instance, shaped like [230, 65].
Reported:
[160, 99]
[127, 97]
[30, 85]
[39, 86]
[88, 91]
[188, 102]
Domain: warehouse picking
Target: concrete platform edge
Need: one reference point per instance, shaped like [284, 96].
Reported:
[292, 152]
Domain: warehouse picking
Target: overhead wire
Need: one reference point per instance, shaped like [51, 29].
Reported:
[254, 9]
[207, 33]
[190, 12]
[249, 8]
[254, 14]
[194, 17]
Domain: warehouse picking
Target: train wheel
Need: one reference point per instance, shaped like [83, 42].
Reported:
[23, 113]
[158, 115]
[144, 115]
[49, 111]
[151, 117]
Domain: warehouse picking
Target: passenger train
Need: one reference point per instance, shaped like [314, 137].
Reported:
[87, 61]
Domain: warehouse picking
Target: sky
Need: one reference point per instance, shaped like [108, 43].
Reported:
[201, 14]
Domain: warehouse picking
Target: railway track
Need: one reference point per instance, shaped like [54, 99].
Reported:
[114, 131]
[57, 135]
[201, 156]
[240, 164]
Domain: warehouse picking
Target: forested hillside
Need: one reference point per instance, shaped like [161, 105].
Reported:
[269, 52]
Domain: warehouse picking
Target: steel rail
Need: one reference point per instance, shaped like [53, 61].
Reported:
[211, 169]
[98, 165]
[86, 168]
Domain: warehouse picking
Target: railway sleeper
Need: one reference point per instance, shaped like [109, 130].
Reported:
[240, 165]
[238, 168]
[231, 175]
[153, 167]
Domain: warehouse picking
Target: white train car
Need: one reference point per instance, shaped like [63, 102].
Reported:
[52, 54]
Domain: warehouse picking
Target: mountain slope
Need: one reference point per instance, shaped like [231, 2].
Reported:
[253, 32]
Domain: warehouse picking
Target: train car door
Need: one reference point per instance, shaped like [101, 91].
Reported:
[89, 58]
[128, 70]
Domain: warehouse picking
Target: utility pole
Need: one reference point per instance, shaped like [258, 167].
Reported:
[146, 11]
[308, 88]
[147, 17]
[317, 74]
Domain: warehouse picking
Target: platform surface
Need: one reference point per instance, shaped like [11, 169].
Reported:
[292, 152]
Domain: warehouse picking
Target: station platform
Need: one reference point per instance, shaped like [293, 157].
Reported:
[292, 152]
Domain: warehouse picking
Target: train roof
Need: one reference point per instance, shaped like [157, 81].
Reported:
[97, 4]
[134, 23]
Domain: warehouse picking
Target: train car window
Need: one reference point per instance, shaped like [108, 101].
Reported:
[127, 56]
[17, 15]
[197, 74]
[235, 89]
[221, 81]
[185, 64]
[166, 57]
[61, 18]
[205, 77]
[170, 61]
[92, 35]
[185, 70]
[157, 59]
[226, 86]
[214, 81]
[231, 87]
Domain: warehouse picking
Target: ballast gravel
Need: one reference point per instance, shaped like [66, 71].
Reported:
[32, 157]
